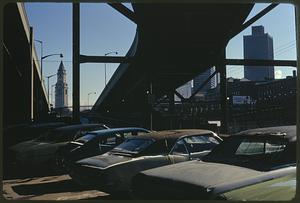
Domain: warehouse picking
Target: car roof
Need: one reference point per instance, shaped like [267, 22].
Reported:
[79, 126]
[41, 125]
[174, 134]
[35, 125]
[117, 130]
[288, 132]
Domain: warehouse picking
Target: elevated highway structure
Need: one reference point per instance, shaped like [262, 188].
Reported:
[24, 95]
[173, 44]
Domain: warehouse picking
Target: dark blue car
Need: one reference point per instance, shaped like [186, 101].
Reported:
[94, 143]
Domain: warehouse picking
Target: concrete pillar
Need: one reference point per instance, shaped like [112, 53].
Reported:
[32, 117]
[76, 63]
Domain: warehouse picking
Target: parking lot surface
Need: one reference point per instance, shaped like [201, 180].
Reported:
[56, 187]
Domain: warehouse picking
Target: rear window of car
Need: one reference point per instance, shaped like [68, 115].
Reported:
[134, 145]
[254, 147]
[251, 152]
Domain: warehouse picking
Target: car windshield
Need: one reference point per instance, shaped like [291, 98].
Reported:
[256, 153]
[85, 138]
[133, 146]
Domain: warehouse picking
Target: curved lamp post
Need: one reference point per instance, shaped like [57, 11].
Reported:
[43, 57]
[112, 52]
[89, 98]
[48, 77]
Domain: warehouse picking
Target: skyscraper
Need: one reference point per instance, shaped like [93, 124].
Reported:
[61, 87]
[259, 45]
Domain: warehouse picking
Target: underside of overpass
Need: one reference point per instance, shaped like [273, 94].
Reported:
[173, 44]
[24, 95]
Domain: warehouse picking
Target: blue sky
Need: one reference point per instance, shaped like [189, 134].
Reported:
[280, 24]
[103, 30]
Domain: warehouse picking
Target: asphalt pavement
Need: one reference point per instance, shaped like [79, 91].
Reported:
[45, 185]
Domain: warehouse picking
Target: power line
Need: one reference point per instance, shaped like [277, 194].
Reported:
[282, 49]
[291, 45]
[286, 44]
[278, 54]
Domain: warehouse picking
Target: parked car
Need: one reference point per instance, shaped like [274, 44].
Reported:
[112, 172]
[41, 150]
[94, 143]
[26, 131]
[277, 189]
[15, 134]
[244, 159]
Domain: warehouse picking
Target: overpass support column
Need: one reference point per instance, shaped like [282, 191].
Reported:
[221, 68]
[76, 63]
[32, 117]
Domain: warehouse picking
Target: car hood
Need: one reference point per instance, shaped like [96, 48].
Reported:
[33, 145]
[204, 174]
[198, 179]
[24, 146]
[278, 189]
[104, 161]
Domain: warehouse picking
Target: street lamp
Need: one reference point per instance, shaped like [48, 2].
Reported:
[48, 77]
[89, 98]
[43, 57]
[46, 57]
[112, 52]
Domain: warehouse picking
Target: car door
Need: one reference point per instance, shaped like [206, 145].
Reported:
[179, 152]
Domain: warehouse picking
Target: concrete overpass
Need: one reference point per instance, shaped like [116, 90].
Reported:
[24, 95]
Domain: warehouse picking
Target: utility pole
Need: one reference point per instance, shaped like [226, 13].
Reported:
[221, 68]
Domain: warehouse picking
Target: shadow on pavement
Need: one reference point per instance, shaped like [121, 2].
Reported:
[47, 188]
[10, 173]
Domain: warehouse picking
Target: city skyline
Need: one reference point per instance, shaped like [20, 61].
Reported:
[114, 32]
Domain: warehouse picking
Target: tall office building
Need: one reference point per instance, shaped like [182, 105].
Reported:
[198, 80]
[61, 87]
[259, 45]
